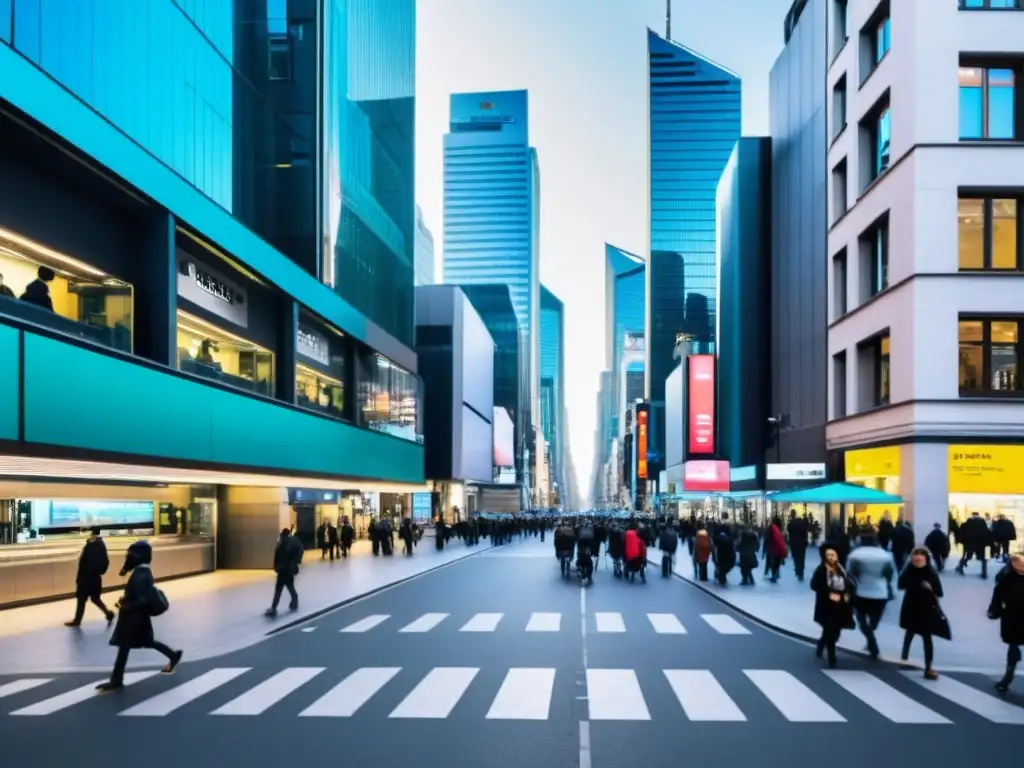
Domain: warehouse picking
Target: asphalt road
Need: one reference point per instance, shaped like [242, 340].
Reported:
[497, 661]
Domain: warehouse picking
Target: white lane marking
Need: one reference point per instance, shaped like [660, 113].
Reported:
[884, 699]
[425, 623]
[724, 624]
[19, 686]
[609, 622]
[702, 697]
[583, 625]
[365, 625]
[437, 694]
[76, 696]
[345, 699]
[584, 744]
[309, 629]
[796, 702]
[989, 707]
[262, 697]
[525, 695]
[666, 624]
[614, 694]
[482, 622]
[544, 622]
[164, 703]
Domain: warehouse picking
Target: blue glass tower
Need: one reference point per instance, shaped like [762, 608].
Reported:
[694, 122]
[625, 314]
[492, 204]
[552, 381]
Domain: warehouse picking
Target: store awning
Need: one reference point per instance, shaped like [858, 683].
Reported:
[835, 493]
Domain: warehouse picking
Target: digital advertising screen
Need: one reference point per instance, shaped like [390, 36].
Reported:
[421, 510]
[642, 437]
[701, 391]
[504, 439]
[63, 513]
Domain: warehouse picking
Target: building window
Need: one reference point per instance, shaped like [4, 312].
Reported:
[874, 258]
[839, 107]
[320, 369]
[211, 352]
[875, 139]
[988, 234]
[839, 385]
[989, 356]
[839, 187]
[881, 142]
[873, 369]
[840, 25]
[389, 399]
[279, 58]
[882, 380]
[839, 285]
[987, 103]
[43, 286]
[875, 40]
[991, 5]
[882, 39]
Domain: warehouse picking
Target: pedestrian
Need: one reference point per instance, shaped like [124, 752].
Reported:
[873, 570]
[833, 588]
[92, 565]
[798, 531]
[937, 542]
[974, 536]
[136, 608]
[775, 549]
[1008, 606]
[747, 556]
[287, 557]
[702, 552]
[920, 612]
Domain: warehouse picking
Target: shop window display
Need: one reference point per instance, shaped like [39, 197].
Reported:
[318, 391]
[990, 507]
[48, 288]
[210, 352]
[389, 399]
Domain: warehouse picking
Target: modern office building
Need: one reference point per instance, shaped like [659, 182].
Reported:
[925, 395]
[694, 121]
[625, 318]
[175, 361]
[424, 250]
[797, 105]
[743, 325]
[492, 205]
[456, 356]
[552, 384]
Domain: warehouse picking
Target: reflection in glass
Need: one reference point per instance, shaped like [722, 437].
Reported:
[213, 353]
[1000, 104]
[972, 354]
[883, 371]
[882, 39]
[882, 138]
[972, 110]
[971, 331]
[1004, 234]
[46, 287]
[389, 399]
[971, 233]
[318, 391]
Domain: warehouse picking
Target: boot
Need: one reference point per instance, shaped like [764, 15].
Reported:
[1004, 685]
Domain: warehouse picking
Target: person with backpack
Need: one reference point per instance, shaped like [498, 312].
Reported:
[669, 542]
[142, 600]
[287, 557]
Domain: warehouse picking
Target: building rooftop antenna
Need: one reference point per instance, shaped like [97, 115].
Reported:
[668, 19]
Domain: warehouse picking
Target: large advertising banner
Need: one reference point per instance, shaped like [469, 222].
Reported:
[986, 469]
[709, 476]
[642, 425]
[701, 386]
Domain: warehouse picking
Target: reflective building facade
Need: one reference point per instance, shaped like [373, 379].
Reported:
[492, 203]
[694, 122]
[424, 261]
[552, 382]
[625, 316]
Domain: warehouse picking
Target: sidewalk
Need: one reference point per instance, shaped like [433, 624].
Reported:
[210, 615]
[788, 606]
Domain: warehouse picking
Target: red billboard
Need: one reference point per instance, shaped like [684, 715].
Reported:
[701, 475]
[641, 444]
[701, 394]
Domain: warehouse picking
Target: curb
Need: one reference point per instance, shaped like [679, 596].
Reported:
[293, 623]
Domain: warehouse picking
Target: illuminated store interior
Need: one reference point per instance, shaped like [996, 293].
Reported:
[318, 391]
[211, 352]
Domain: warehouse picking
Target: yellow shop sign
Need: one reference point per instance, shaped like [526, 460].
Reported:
[994, 469]
[873, 462]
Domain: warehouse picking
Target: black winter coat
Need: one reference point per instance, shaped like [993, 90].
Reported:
[826, 611]
[937, 543]
[748, 549]
[287, 555]
[92, 564]
[134, 628]
[1008, 605]
[921, 590]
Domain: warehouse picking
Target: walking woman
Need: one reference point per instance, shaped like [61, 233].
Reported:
[833, 590]
[920, 613]
[1008, 606]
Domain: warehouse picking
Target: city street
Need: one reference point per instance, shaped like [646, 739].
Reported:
[497, 661]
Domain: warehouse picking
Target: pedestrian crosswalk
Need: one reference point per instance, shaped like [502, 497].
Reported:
[527, 694]
[600, 622]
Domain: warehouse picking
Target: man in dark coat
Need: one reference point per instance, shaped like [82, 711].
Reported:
[1008, 607]
[975, 536]
[287, 556]
[798, 531]
[134, 628]
[92, 564]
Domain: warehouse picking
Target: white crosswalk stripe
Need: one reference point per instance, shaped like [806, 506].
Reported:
[724, 624]
[425, 623]
[482, 622]
[544, 622]
[609, 622]
[529, 694]
[365, 625]
[666, 624]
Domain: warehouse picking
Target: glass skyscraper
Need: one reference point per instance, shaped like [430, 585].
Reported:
[625, 315]
[424, 250]
[694, 123]
[492, 204]
[552, 381]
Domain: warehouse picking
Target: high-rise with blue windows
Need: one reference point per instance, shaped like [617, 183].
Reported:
[694, 123]
[206, 282]
[552, 383]
[492, 204]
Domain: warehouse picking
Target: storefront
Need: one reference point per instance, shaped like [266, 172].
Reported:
[875, 468]
[989, 480]
[321, 367]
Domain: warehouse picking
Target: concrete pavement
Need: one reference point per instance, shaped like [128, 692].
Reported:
[211, 614]
[498, 661]
[788, 606]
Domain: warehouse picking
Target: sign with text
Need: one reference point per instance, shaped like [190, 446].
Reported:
[210, 290]
[986, 469]
[795, 472]
[642, 439]
[702, 475]
[312, 345]
[701, 395]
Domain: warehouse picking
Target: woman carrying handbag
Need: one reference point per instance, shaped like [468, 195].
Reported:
[920, 613]
[834, 590]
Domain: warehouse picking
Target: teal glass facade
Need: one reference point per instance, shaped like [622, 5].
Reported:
[368, 181]
[625, 310]
[552, 381]
[694, 124]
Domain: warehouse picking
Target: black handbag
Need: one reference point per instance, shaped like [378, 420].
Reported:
[939, 622]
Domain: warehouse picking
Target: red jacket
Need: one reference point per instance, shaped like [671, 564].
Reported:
[634, 547]
[777, 542]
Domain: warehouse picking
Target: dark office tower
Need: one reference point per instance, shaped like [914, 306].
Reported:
[799, 264]
[694, 121]
[744, 256]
